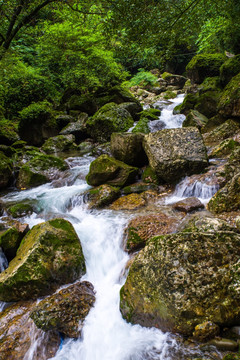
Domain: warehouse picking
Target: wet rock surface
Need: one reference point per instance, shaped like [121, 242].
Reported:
[188, 205]
[181, 280]
[66, 310]
[129, 202]
[18, 333]
[49, 255]
[174, 153]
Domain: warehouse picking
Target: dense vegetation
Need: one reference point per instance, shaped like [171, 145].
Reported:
[50, 46]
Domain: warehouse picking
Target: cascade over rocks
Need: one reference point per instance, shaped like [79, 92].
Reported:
[49, 255]
[181, 280]
[174, 153]
[127, 147]
[66, 310]
[106, 169]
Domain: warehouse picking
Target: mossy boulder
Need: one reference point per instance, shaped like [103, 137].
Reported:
[195, 118]
[174, 153]
[142, 126]
[21, 209]
[227, 198]
[224, 149]
[134, 108]
[207, 103]
[181, 280]
[49, 255]
[151, 114]
[66, 310]
[226, 130]
[232, 167]
[110, 118]
[37, 123]
[101, 196]
[174, 80]
[40, 170]
[77, 128]
[142, 228]
[8, 132]
[11, 239]
[107, 170]
[207, 224]
[188, 104]
[204, 65]
[84, 103]
[16, 335]
[59, 143]
[117, 94]
[229, 69]
[229, 103]
[169, 94]
[129, 202]
[6, 170]
[127, 147]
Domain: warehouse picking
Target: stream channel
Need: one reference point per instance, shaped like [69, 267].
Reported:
[106, 335]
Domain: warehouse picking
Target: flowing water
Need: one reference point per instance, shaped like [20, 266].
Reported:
[105, 336]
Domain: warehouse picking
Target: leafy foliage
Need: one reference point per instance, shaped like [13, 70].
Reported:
[142, 78]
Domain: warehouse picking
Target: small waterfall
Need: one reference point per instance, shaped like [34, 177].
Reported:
[188, 187]
[168, 120]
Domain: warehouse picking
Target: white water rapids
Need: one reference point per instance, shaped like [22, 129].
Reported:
[105, 336]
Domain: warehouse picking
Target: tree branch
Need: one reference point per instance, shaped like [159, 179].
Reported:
[193, 4]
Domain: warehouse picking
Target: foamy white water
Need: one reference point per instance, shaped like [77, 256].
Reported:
[167, 118]
[187, 188]
[105, 334]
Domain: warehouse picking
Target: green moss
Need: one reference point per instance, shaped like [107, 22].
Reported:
[165, 75]
[210, 84]
[142, 126]
[8, 132]
[149, 176]
[225, 148]
[110, 118]
[229, 102]
[151, 114]
[188, 103]
[20, 210]
[10, 241]
[169, 95]
[229, 69]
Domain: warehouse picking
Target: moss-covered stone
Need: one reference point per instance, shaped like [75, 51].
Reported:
[133, 108]
[66, 310]
[229, 103]
[142, 228]
[127, 147]
[6, 169]
[138, 188]
[142, 126]
[84, 103]
[188, 104]
[174, 153]
[207, 224]
[11, 239]
[8, 132]
[150, 176]
[41, 169]
[229, 69]
[101, 196]
[151, 114]
[212, 123]
[19, 144]
[181, 280]
[59, 143]
[207, 103]
[129, 202]
[37, 123]
[174, 80]
[169, 94]
[77, 128]
[195, 118]
[224, 149]
[222, 132]
[232, 167]
[106, 169]
[117, 94]
[110, 118]
[21, 209]
[204, 65]
[227, 198]
[210, 84]
[49, 255]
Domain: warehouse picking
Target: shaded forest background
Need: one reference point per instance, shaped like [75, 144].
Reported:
[49, 47]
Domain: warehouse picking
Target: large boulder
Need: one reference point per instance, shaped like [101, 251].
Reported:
[59, 143]
[181, 280]
[107, 170]
[134, 108]
[229, 69]
[37, 123]
[174, 153]
[6, 170]
[110, 118]
[66, 310]
[127, 147]
[49, 255]
[222, 132]
[204, 65]
[174, 80]
[40, 170]
[16, 334]
[77, 128]
[101, 196]
[227, 198]
[229, 103]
